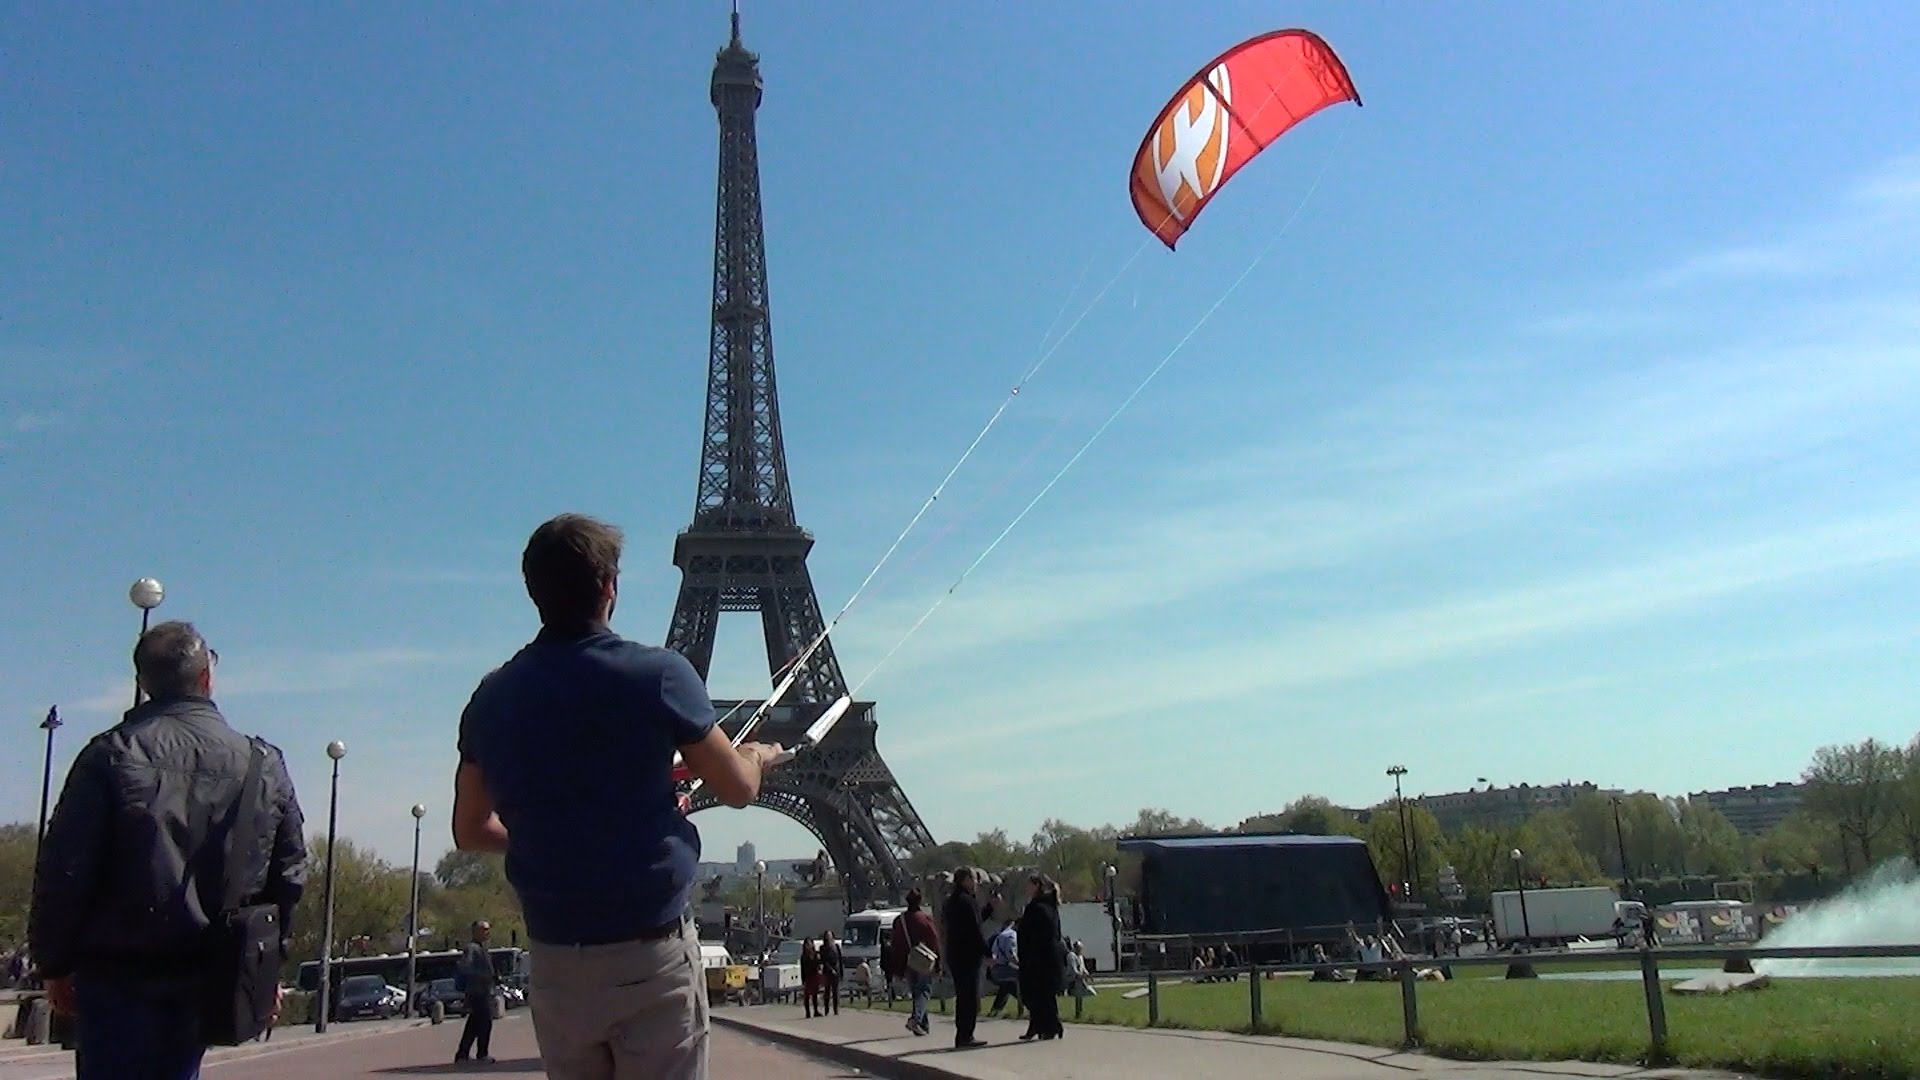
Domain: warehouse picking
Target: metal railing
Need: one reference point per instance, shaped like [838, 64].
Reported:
[1405, 972]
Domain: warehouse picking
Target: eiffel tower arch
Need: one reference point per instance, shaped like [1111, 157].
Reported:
[745, 550]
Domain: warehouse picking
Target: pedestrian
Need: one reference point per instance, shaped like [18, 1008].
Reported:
[810, 978]
[1041, 961]
[566, 760]
[966, 951]
[1079, 982]
[831, 969]
[1003, 970]
[476, 979]
[176, 850]
[913, 930]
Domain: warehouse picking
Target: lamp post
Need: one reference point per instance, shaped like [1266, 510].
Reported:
[1520, 879]
[1407, 874]
[1620, 837]
[413, 910]
[335, 750]
[50, 725]
[1113, 910]
[146, 595]
[760, 900]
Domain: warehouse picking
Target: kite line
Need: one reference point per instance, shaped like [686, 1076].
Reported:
[1111, 417]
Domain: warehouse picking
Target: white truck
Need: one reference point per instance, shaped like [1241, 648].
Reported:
[1556, 915]
[1087, 922]
[815, 915]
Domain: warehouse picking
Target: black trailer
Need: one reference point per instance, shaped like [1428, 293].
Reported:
[1273, 895]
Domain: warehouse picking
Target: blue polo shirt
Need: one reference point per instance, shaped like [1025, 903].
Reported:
[576, 736]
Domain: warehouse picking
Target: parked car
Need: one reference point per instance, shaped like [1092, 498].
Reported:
[368, 996]
[441, 990]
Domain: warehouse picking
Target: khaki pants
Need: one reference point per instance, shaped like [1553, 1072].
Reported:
[620, 1012]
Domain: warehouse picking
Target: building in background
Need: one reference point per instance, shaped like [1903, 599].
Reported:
[1491, 806]
[744, 858]
[1754, 810]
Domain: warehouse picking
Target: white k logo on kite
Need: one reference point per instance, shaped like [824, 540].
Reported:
[1190, 152]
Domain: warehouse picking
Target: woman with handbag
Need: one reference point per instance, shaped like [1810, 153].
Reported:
[916, 944]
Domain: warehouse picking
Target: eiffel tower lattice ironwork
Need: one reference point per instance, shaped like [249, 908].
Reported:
[745, 552]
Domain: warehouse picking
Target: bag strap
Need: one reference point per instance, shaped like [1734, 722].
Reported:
[245, 829]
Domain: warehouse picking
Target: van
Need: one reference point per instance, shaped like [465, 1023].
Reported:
[865, 935]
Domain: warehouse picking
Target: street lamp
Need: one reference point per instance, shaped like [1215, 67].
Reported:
[413, 917]
[1113, 910]
[1407, 874]
[1520, 879]
[760, 900]
[335, 750]
[1620, 837]
[146, 595]
[49, 725]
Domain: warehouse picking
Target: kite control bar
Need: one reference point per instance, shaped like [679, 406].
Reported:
[815, 734]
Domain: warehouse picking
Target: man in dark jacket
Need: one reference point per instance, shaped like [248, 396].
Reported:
[476, 978]
[135, 866]
[966, 951]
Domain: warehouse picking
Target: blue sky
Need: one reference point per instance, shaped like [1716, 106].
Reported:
[1568, 431]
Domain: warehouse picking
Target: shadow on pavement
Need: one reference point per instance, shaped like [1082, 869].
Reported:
[516, 1065]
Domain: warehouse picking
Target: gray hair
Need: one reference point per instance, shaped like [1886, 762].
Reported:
[171, 659]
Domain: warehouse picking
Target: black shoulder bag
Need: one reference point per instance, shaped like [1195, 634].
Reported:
[243, 965]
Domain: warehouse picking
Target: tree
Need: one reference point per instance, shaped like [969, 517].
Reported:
[369, 905]
[944, 857]
[996, 851]
[1655, 845]
[471, 869]
[1309, 815]
[1552, 852]
[1075, 858]
[1156, 822]
[1906, 800]
[1648, 825]
[1853, 787]
[470, 885]
[1426, 845]
[1800, 844]
[1714, 846]
[18, 849]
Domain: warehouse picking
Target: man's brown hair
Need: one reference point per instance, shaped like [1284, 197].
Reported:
[568, 563]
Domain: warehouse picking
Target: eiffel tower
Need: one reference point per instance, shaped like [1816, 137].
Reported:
[745, 552]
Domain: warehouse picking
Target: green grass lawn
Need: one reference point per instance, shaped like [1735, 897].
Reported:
[1828, 1028]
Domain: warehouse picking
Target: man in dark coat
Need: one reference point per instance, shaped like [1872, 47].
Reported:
[477, 979]
[137, 859]
[966, 951]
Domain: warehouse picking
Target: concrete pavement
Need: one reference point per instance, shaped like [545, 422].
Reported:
[877, 1042]
[377, 1051]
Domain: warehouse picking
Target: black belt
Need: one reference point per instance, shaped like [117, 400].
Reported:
[646, 934]
[663, 931]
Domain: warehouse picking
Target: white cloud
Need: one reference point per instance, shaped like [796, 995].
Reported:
[1303, 656]
[1876, 215]
[1444, 456]
[301, 672]
[29, 422]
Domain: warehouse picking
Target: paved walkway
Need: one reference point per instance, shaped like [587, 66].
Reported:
[381, 1051]
[878, 1043]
